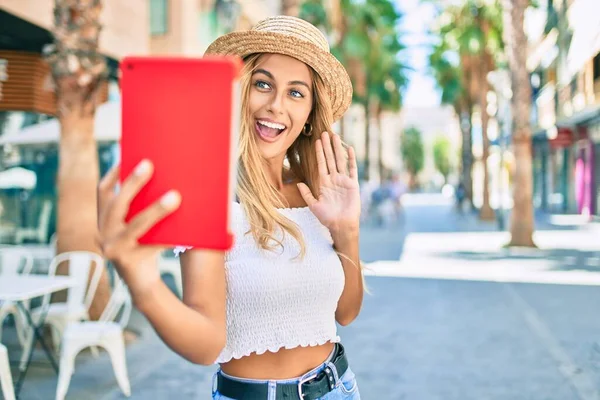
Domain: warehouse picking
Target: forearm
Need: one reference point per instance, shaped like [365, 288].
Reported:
[187, 331]
[349, 305]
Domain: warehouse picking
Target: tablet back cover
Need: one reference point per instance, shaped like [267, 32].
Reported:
[183, 115]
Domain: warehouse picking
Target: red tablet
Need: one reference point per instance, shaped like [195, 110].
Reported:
[183, 115]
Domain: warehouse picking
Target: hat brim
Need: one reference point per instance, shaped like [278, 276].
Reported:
[331, 71]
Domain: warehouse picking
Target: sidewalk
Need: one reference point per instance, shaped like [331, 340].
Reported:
[437, 242]
[453, 334]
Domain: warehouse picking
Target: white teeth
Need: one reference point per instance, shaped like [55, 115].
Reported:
[271, 125]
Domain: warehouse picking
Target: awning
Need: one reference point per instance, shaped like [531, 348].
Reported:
[107, 127]
[584, 19]
[580, 118]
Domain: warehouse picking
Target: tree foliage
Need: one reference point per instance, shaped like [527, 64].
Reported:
[413, 151]
[441, 155]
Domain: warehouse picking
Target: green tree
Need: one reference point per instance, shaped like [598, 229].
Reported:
[445, 67]
[367, 42]
[441, 156]
[413, 153]
[473, 30]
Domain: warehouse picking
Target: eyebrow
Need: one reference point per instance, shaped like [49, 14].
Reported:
[270, 75]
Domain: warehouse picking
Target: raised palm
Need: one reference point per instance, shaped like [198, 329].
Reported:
[337, 205]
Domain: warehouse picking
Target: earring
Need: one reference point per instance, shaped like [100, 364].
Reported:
[307, 131]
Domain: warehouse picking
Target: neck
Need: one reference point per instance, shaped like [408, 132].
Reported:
[274, 171]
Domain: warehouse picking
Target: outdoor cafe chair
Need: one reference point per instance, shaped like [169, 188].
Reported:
[106, 333]
[79, 300]
[15, 260]
[5, 377]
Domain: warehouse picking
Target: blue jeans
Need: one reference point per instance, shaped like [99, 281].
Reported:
[346, 386]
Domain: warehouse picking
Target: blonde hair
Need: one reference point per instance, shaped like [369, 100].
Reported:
[258, 197]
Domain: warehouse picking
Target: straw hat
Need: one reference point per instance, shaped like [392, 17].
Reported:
[296, 38]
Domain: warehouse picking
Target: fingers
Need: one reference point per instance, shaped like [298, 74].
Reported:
[155, 212]
[306, 194]
[321, 163]
[352, 161]
[329, 156]
[340, 153]
[131, 187]
[106, 192]
[106, 188]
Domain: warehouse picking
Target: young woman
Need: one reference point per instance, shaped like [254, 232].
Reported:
[266, 310]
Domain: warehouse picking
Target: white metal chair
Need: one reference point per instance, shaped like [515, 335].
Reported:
[171, 266]
[15, 260]
[107, 333]
[29, 335]
[79, 299]
[5, 377]
[40, 232]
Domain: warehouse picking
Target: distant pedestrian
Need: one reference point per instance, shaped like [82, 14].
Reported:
[460, 196]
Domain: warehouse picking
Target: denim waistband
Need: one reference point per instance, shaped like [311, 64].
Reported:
[327, 363]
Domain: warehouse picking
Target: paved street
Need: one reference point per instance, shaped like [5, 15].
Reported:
[451, 315]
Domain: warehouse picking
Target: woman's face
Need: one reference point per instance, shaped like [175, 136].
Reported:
[280, 102]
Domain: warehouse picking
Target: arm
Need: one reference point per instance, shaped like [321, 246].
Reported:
[194, 328]
[351, 299]
[338, 208]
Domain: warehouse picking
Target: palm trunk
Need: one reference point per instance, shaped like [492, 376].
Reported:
[78, 71]
[466, 164]
[522, 221]
[470, 82]
[290, 7]
[486, 213]
[367, 140]
[380, 146]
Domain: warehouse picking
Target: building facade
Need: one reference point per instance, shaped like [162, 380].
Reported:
[564, 63]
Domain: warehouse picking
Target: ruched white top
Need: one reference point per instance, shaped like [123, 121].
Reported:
[277, 300]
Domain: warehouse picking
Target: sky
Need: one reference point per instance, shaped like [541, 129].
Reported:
[417, 18]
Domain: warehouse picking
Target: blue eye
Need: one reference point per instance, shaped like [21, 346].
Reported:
[296, 94]
[262, 85]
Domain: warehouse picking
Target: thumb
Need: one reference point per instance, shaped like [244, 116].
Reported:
[307, 194]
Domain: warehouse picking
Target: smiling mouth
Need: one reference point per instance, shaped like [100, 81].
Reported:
[269, 131]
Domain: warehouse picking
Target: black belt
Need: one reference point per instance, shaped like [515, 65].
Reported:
[310, 388]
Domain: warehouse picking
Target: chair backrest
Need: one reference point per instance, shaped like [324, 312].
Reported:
[44, 220]
[119, 306]
[15, 260]
[80, 263]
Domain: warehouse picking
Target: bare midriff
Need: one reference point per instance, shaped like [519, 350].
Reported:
[285, 364]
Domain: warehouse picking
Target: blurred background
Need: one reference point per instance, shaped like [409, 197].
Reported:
[477, 130]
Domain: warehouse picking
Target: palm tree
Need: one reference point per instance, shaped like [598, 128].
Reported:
[367, 43]
[79, 71]
[454, 91]
[373, 42]
[473, 30]
[522, 221]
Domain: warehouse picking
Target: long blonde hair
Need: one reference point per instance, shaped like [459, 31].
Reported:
[258, 197]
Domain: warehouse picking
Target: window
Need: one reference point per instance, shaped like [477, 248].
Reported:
[159, 14]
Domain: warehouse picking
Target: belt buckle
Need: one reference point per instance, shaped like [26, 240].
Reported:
[302, 382]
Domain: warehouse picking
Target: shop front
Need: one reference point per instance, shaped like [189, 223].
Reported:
[594, 133]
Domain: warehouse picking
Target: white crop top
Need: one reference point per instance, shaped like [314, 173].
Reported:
[273, 300]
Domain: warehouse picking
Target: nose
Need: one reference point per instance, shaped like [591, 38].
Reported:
[276, 103]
